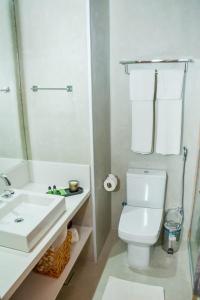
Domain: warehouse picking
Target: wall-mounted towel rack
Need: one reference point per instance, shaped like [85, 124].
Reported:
[68, 89]
[126, 63]
[6, 90]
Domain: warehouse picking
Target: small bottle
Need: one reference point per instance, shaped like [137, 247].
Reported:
[54, 189]
[50, 190]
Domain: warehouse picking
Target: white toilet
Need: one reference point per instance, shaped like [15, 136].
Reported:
[141, 219]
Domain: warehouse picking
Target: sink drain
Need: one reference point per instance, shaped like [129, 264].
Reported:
[19, 220]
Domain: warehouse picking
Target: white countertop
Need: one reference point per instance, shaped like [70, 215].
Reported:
[16, 265]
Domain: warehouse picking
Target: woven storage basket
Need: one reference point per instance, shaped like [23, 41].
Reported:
[54, 261]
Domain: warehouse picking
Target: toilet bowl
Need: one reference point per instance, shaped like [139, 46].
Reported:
[140, 228]
[141, 219]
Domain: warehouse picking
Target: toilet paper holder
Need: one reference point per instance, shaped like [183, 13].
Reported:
[111, 183]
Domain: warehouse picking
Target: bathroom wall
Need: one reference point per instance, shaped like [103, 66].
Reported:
[11, 143]
[99, 12]
[54, 53]
[153, 29]
[67, 42]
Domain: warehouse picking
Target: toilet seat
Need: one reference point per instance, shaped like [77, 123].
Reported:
[140, 224]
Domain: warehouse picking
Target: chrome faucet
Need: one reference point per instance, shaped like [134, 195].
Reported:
[6, 193]
[5, 179]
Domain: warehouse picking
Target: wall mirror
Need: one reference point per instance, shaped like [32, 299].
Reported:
[12, 142]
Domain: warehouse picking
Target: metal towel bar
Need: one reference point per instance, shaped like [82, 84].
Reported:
[6, 90]
[68, 89]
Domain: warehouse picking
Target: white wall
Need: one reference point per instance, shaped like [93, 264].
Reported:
[55, 51]
[101, 115]
[54, 54]
[11, 144]
[153, 29]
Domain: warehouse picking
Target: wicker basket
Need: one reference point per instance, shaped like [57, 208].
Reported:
[54, 261]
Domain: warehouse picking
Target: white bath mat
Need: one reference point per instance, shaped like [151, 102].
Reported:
[118, 289]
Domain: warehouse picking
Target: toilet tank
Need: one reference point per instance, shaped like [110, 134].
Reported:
[146, 188]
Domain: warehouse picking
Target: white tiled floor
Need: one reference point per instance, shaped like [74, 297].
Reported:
[170, 272]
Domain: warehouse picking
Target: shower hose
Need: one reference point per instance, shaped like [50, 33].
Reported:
[181, 209]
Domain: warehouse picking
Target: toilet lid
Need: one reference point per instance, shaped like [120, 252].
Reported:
[140, 224]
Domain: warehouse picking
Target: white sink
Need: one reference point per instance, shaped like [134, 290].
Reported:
[26, 217]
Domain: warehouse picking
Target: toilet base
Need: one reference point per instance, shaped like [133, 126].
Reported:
[138, 256]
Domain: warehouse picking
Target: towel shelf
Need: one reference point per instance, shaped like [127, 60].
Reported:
[126, 63]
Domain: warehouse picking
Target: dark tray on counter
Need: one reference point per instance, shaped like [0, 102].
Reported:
[65, 192]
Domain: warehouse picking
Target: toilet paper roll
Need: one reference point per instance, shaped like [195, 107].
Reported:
[75, 235]
[110, 183]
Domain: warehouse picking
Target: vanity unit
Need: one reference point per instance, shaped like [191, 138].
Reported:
[18, 281]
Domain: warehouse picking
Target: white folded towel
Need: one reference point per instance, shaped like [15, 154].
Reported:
[142, 127]
[141, 85]
[169, 126]
[142, 95]
[169, 111]
[170, 84]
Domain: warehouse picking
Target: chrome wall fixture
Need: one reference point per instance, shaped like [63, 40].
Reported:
[68, 89]
[6, 90]
[126, 63]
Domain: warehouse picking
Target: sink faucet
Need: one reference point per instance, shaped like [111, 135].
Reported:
[5, 179]
[6, 192]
